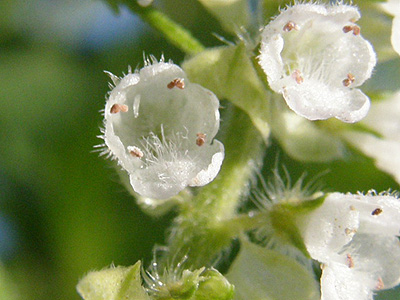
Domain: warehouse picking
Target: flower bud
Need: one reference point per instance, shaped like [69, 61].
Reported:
[214, 286]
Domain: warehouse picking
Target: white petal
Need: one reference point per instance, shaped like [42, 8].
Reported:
[339, 282]
[328, 228]
[395, 38]
[392, 7]
[315, 100]
[208, 173]
[379, 214]
[377, 256]
[384, 117]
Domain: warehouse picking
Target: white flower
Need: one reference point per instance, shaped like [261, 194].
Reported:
[384, 119]
[315, 57]
[355, 237]
[144, 3]
[161, 127]
[392, 7]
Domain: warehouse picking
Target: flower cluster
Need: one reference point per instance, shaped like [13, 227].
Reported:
[160, 127]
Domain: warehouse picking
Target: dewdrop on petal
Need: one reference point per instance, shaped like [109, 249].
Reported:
[315, 56]
[152, 119]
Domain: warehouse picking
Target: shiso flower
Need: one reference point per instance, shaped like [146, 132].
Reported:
[161, 127]
[315, 56]
[355, 237]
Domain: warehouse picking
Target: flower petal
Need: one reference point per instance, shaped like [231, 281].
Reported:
[329, 228]
[339, 282]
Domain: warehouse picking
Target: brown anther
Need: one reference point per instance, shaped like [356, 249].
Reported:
[135, 151]
[350, 262]
[296, 75]
[290, 26]
[380, 285]
[349, 80]
[349, 231]
[201, 139]
[178, 82]
[347, 28]
[377, 211]
[354, 28]
[116, 108]
[352, 207]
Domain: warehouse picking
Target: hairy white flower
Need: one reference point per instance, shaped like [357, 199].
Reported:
[392, 7]
[355, 237]
[161, 128]
[384, 119]
[315, 57]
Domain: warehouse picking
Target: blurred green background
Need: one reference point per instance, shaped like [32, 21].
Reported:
[63, 211]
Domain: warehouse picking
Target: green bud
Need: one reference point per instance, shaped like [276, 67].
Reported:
[214, 286]
[115, 283]
[185, 288]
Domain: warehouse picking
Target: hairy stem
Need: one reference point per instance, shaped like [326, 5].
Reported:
[200, 231]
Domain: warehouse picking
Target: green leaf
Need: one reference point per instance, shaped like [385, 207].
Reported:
[262, 274]
[115, 283]
[229, 72]
[232, 14]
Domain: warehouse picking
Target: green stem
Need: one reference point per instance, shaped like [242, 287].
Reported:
[172, 31]
[199, 230]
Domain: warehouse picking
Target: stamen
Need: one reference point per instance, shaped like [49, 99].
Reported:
[178, 82]
[201, 139]
[296, 75]
[116, 108]
[354, 28]
[377, 211]
[349, 80]
[380, 285]
[290, 26]
[136, 103]
[135, 151]
[350, 262]
[349, 231]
